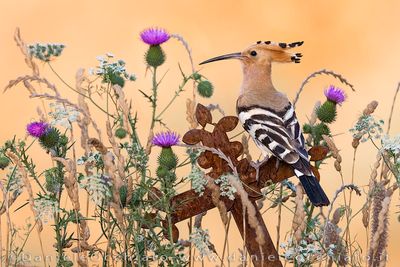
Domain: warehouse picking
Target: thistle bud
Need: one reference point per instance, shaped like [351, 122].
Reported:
[120, 133]
[155, 56]
[205, 88]
[4, 162]
[196, 76]
[167, 158]
[50, 139]
[327, 112]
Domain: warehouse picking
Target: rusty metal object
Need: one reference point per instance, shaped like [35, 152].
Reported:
[189, 203]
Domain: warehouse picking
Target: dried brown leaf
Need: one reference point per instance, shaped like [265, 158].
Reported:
[318, 153]
[203, 115]
[227, 123]
[192, 137]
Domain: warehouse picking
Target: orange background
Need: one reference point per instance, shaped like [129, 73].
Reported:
[359, 39]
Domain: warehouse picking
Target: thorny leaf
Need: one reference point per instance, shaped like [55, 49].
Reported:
[203, 115]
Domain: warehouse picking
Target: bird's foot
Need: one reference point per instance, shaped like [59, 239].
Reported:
[257, 164]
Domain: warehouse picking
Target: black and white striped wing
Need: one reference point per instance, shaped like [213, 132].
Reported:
[276, 132]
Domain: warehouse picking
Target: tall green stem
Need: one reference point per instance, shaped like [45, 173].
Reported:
[154, 98]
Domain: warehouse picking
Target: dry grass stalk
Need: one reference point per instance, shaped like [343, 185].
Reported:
[370, 108]
[392, 108]
[245, 143]
[10, 200]
[28, 187]
[379, 195]
[83, 123]
[41, 115]
[71, 185]
[189, 51]
[9, 224]
[70, 181]
[212, 107]
[191, 113]
[27, 184]
[313, 119]
[149, 144]
[111, 170]
[84, 233]
[28, 58]
[320, 72]
[371, 190]
[379, 237]
[367, 111]
[98, 145]
[249, 207]
[123, 104]
[57, 99]
[299, 218]
[332, 237]
[215, 196]
[86, 119]
[335, 152]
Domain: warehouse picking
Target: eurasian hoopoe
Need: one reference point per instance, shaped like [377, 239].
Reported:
[268, 116]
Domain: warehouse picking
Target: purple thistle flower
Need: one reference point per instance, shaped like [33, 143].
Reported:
[154, 36]
[336, 95]
[166, 139]
[37, 129]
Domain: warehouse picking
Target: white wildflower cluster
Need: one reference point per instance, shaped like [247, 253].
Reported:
[391, 144]
[14, 183]
[98, 187]
[305, 252]
[62, 115]
[198, 181]
[45, 208]
[109, 69]
[392, 147]
[225, 187]
[201, 240]
[367, 127]
[45, 52]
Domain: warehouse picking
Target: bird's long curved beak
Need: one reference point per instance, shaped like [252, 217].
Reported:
[223, 57]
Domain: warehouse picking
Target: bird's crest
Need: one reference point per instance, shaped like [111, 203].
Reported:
[280, 50]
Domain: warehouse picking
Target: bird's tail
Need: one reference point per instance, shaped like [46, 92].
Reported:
[314, 190]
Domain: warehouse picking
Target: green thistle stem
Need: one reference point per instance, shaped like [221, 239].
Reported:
[177, 93]
[154, 98]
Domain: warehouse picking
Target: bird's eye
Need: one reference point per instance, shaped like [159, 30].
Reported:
[253, 53]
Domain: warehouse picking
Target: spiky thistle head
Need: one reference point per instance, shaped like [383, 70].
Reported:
[166, 139]
[154, 36]
[335, 94]
[167, 159]
[37, 129]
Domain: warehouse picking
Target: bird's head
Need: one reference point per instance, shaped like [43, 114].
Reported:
[263, 54]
